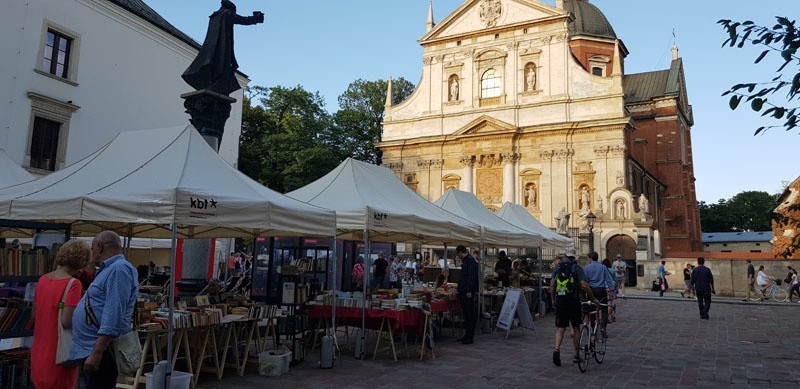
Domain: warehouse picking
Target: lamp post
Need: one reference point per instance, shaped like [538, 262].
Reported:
[590, 218]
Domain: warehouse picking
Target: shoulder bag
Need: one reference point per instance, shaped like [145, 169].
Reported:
[64, 335]
[126, 349]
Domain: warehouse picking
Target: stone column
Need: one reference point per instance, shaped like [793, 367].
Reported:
[509, 184]
[468, 162]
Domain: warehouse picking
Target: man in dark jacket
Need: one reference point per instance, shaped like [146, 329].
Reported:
[703, 285]
[503, 268]
[468, 292]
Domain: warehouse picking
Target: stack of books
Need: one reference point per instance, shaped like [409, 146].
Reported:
[15, 316]
[15, 368]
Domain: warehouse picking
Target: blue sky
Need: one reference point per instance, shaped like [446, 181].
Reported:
[324, 45]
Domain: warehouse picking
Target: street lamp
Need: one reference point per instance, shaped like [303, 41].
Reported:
[590, 218]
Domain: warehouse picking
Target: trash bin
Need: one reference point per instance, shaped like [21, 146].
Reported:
[180, 380]
[274, 363]
[486, 323]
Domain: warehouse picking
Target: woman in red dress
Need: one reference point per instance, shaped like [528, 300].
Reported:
[71, 258]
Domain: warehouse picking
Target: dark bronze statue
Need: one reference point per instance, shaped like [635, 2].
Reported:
[215, 67]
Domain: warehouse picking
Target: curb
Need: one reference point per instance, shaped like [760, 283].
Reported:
[714, 300]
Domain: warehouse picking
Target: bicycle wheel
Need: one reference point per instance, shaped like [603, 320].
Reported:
[779, 295]
[600, 345]
[584, 351]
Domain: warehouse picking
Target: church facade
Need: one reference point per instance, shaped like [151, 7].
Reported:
[529, 103]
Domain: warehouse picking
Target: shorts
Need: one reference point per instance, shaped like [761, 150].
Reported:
[568, 311]
[688, 284]
[620, 282]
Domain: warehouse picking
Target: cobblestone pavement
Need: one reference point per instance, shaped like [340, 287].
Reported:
[655, 343]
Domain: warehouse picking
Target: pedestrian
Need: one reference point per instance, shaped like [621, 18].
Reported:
[687, 279]
[112, 297]
[357, 275]
[703, 286]
[57, 292]
[600, 282]
[503, 269]
[795, 286]
[468, 293]
[612, 293]
[379, 268]
[565, 286]
[751, 279]
[788, 280]
[396, 274]
[621, 270]
[662, 279]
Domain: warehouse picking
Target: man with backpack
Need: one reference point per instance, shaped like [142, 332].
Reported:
[567, 282]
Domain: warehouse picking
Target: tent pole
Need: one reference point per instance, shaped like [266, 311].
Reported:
[361, 352]
[333, 264]
[480, 274]
[171, 293]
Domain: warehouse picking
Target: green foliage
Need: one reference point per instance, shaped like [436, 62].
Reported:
[746, 211]
[783, 38]
[360, 116]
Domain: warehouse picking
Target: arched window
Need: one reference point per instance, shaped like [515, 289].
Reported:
[490, 84]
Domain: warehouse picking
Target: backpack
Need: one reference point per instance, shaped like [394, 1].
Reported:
[566, 280]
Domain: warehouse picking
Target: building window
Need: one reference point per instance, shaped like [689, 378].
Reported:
[758, 244]
[56, 54]
[490, 84]
[44, 144]
[755, 251]
[597, 71]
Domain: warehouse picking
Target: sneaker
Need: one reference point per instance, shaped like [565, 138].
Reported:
[557, 357]
[577, 359]
[682, 294]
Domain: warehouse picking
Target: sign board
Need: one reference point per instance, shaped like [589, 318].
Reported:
[515, 305]
[288, 293]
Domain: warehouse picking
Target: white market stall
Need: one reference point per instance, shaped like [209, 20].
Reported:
[518, 216]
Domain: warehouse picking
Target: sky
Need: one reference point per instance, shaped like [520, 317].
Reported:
[324, 45]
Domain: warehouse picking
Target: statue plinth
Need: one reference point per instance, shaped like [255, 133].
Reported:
[208, 111]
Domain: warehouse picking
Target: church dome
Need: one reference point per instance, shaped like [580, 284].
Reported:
[589, 20]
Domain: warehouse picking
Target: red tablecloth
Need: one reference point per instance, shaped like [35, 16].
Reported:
[410, 320]
[445, 306]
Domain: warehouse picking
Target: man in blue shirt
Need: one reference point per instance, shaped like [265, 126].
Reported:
[600, 281]
[703, 285]
[112, 297]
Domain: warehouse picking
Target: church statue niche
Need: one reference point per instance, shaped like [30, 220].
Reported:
[530, 195]
[584, 198]
[620, 208]
[530, 77]
[453, 88]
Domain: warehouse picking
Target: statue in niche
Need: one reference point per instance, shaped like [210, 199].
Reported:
[620, 178]
[620, 209]
[600, 203]
[215, 66]
[583, 198]
[644, 204]
[530, 79]
[562, 221]
[530, 195]
[453, 89]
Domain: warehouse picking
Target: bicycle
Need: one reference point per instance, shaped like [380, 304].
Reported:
[593, 336]
[773, 291]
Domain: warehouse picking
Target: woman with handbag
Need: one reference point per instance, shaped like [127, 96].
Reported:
[57, 294]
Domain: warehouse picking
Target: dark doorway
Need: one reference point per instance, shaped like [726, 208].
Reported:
[626, 246]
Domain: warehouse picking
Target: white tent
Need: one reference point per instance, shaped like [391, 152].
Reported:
[11, 173]
[518, 216]
[143, 181]
[495, 231]
[369, 197]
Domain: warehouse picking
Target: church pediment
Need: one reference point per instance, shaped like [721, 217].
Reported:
[485, 125]
[476, 15]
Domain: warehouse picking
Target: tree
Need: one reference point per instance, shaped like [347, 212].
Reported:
[288, 140]
[783, 38]
[746, 211]
[360, 116]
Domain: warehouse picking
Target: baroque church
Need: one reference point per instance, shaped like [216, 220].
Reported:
[524, 102]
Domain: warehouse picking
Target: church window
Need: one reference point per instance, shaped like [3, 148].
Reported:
[490, 84]
[56, 56]
[597, 71]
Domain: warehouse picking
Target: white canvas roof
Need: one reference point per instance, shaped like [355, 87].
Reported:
[366, 196]
[11, 173]
[496, 231]
[142, 181]
[518, 216]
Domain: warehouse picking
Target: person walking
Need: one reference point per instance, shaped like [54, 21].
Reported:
[468, 293]
[662, 278]
[703, 286]
[357, 275]
[621, 269]
[57, 291]
[687, 279]
[112, 297]
[566, 284]
[751, 279]
[600, 282]
[379, 269]
[794, 283]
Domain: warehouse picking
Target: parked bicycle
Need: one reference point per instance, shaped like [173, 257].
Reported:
[593, 335]
[773, 292]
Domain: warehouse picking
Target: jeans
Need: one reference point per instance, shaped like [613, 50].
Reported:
[704, 302]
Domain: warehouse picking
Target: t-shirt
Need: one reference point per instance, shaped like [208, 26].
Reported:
[620, 267]
[762, 278]
[687, 274]
[751, 271]
[396, 268]
[380, 267]
[795, 280]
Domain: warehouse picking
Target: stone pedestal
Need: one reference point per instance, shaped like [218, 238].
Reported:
[208, 111]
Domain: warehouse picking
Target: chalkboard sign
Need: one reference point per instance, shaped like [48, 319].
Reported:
[515, 305]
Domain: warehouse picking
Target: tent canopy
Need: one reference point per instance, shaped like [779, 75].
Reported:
[518, 216]
[370, 197]
[11, 173]
[143, 181]
[496, 231]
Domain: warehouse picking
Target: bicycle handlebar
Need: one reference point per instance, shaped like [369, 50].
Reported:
[593, 303]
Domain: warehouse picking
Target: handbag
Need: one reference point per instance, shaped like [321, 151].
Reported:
[64, 335]
[126, 349]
